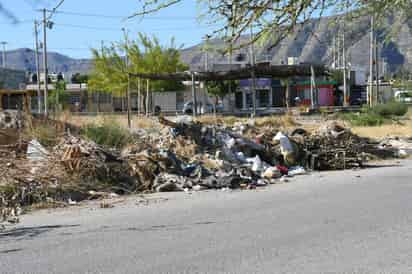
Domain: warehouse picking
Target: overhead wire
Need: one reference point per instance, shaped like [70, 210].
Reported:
[117, 29]
[54, 10]
[123, 16]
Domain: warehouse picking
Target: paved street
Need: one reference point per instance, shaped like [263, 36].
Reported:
[334, 222]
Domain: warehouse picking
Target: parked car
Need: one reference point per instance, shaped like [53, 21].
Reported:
[201, 108]
[403, 96]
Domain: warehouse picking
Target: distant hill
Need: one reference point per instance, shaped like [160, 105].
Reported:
[311, 43]
[24, 59]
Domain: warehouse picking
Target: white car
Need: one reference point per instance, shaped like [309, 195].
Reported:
[201, 108]
[403, 96]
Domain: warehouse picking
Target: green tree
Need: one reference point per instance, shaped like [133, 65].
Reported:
[78, 78]
[58, 98]
[221, 88]
[276, 19]
[146, 55]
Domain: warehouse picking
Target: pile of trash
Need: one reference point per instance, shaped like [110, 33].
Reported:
[11, 119]
[180, 155]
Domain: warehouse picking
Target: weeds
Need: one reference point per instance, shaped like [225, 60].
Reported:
[376, 115]
[363, 119]
[47, 134]
[390, 109]
[107, 134]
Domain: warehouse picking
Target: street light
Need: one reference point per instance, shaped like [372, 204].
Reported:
[4, 43]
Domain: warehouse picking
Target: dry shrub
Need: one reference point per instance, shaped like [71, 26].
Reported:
[108, 134]
[46, 133]
[278, 121]
[144, 122]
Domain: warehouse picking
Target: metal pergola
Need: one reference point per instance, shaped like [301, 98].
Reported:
[248, 72]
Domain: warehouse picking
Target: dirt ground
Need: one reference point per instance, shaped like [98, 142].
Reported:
[403, 128]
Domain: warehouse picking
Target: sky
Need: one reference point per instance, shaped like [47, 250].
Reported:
[74, 34]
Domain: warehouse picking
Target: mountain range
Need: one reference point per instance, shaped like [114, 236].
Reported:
[313, 42]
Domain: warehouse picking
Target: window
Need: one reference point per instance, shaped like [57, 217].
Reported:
[263, 97]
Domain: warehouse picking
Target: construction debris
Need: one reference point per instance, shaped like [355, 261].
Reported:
[180, 155]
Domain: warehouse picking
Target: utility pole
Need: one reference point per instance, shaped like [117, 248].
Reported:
[206, 48]
[334, 52]
[194, 112]
[370, 93]
[312, 87]
[129, 103]
[345, 88]
[253, 63]
[4, 43]
[46, 92]
[377, 70]
[36, 44]
[138, 96]
[206, 52]
[338, 58]
[147, 96]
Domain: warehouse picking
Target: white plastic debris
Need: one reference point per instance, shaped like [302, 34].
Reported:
[257, 164]
[36, 152]
[285, 145]
[296, 170]
[402, 153]
[241, 156]
[271, 173]
[230, 143]
[185, 119]
[261, 182]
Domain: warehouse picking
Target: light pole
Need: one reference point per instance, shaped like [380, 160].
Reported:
[36, 44]
[129, 106]
[46, 75]
[4, 43]
[252, 64]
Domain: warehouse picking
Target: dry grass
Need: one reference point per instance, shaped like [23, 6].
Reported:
[401, 129]
[137, 122]
[278, 121]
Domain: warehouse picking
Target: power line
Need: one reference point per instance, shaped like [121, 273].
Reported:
[54, 10]
[117, 29]
[86, 27]
[122, 16]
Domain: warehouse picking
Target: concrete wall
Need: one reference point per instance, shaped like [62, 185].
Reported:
[12, 79]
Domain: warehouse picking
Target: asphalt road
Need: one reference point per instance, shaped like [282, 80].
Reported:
[335, 222]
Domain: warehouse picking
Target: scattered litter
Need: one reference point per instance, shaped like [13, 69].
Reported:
[36, 152]
[271, 173]
[180, 155]
[296, 170]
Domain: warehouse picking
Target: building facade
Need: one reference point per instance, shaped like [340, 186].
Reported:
[12, 79]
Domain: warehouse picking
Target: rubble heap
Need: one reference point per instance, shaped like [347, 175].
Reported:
[179, 155]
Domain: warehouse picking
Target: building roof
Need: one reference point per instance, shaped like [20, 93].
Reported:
[274, 71]
[16, 92]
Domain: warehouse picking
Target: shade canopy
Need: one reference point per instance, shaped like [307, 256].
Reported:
[277, 71]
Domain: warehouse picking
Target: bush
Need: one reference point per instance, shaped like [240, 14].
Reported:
[108, 134]
[390, 109]
[363, 119]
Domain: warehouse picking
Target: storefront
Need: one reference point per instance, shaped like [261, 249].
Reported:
[324, 93]
[244, 97]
